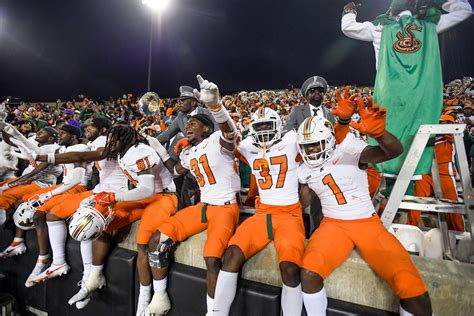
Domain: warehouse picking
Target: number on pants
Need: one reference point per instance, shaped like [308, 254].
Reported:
[329, 181]
[266, 182]
[207, 170]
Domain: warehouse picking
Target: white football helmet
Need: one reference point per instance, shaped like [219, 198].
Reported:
[87, 222]
[24, 214]
[265, 127]
[318, 131]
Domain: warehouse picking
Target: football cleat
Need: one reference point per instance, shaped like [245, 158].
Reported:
[159, 305]
[81, 298]
[96, 280]
[52, 272]
[14, 249]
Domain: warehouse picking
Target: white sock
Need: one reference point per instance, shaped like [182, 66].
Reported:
[3, 216]
[97, 268]
[145, 293]
[18, 239]
[226, 288]
[57, 238]
[41, 263]
[404, 312]
[291, 300]
[316, 303]
[160, 285]
[86, 254]
[210, 303]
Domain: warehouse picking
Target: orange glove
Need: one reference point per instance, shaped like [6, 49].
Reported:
[373, 119]
[180, 145]
[345, 105]
[104, 198]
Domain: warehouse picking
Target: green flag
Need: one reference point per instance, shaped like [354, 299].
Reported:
[409, 84]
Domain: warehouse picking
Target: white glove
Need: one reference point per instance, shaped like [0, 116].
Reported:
[12, 131]
[42, 198]
[24, 153]
[209, 94]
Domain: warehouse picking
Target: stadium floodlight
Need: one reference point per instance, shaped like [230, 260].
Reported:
[156, 5]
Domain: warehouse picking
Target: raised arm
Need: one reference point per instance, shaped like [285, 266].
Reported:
[458, 11]
[353, 29]
[373, 123]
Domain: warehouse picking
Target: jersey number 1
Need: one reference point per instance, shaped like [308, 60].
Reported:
[329, 181]
[205, 165]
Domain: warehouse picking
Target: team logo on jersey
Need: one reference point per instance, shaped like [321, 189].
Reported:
[408, 43]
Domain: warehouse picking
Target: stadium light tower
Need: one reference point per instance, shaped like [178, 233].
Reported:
[157, 6]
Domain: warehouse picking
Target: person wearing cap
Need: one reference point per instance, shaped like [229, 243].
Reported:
[444, 150]
[68, 116]
[189, 106]
[313, 89]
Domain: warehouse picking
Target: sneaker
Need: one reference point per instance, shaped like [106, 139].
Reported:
[52, 272]
[81, 298]
[15, 249]
[159, 305]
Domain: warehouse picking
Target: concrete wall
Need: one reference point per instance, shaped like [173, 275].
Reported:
[451, 284]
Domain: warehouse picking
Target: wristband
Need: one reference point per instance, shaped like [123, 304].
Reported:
[221, 115]
[343, 122]
[51, 158]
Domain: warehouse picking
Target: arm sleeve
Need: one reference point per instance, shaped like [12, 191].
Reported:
[74, 179]
[458, 11]
[356, 30]
[145, 188]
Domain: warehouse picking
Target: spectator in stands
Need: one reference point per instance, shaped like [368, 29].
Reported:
[68, 116]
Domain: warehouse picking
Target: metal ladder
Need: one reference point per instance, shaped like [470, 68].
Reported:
[398, 199]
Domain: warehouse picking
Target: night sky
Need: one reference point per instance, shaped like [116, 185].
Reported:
[58, 49]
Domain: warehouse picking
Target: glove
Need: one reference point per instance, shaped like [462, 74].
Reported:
[24, 152]
[42, 198]
[20, 138]
[209, 94]
[345, 105]
[373, 119]
[181, 144]
[160, 149]
[104, 198]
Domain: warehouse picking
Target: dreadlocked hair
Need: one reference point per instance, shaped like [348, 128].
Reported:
[127, 136]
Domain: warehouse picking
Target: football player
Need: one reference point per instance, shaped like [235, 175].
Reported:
[338, 175]
[210, 159]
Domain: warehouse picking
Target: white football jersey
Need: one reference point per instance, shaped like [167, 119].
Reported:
[48, 176]
[140, 158]
[111, 177]
[68, 167]
[340, 184]
[275, 170]
[213, 168]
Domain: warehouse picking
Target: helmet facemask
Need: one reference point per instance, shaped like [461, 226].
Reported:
[265, 132]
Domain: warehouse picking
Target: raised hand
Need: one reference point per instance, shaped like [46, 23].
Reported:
[351, 7]
[209, 94]
[345, 105]
[24, 152]
[373, 119]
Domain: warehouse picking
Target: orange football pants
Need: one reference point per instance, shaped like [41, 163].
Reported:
[69, 206]
[332, 243]
[46, 207]
[281, 223]
[425, 188]
[220, 221]
[155, 214]
[9, 197]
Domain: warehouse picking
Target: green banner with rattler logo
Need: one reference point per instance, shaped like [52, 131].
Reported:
[409, 84]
